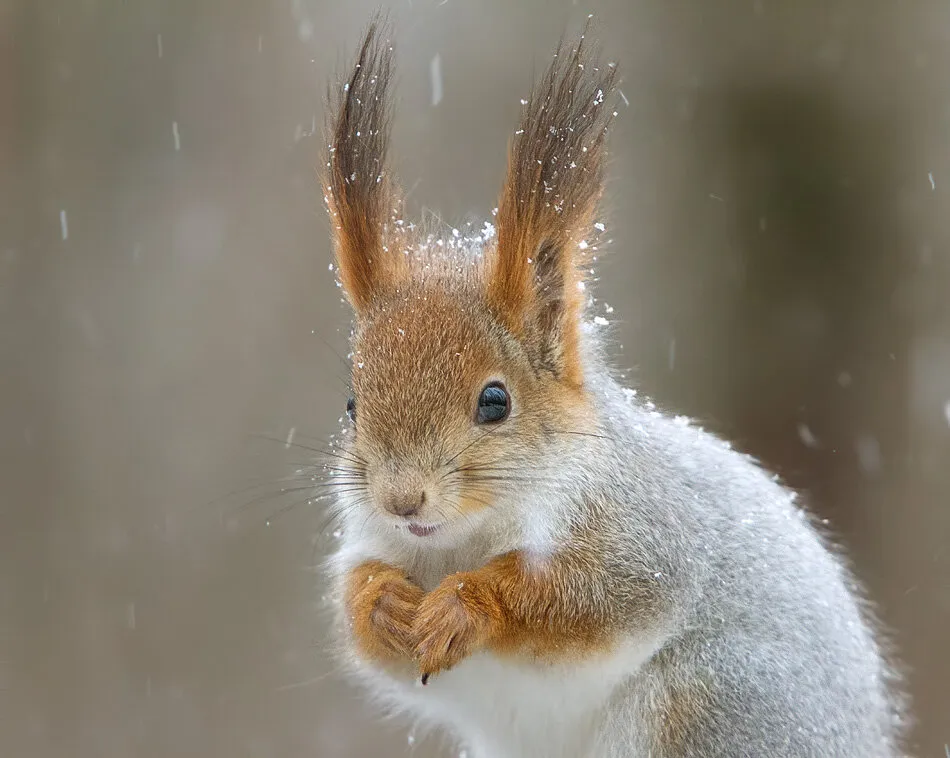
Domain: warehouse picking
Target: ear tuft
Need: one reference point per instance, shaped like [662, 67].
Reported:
[358, 187]
[555, 179]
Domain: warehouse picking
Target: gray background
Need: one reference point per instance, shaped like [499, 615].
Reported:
[778, 200]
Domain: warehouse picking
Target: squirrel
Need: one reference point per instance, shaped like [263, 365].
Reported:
[534, 560]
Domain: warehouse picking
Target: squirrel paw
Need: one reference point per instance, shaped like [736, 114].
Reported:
[382, 603]
[452, 622]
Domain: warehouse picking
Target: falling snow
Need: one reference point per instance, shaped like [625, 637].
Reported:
[868, 450]
[435, 76]
[807, 437]
[305, 27]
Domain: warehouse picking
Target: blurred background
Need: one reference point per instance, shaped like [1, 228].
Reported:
[778, 201]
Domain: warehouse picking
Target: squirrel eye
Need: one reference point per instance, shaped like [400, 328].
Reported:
[351, 409]
[494, 404]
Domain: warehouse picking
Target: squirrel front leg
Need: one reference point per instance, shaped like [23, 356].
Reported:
[380, 602]
[551, 608]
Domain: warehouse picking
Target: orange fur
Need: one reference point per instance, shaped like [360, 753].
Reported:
[403, 406]
[381, 603]
[513, 606]
[554, 181]
[395, 342]
[547, 206]
[359, 191]
[434, 326]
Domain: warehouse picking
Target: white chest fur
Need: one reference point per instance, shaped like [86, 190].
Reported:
[499, 708]
[503, 709]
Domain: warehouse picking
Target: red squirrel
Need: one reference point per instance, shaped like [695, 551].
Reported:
[568, 571]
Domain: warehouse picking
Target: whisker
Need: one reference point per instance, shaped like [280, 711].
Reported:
[335, 453]
[255, 485]
[347, 364]
[369, 515]
[511, 479]
[582, 434]
[332, 516]
[482, 436]
[457, 507]
[487, 499]
[267, 496]
[289, 491]
[477, 467]
[480, 501]
[286, 508]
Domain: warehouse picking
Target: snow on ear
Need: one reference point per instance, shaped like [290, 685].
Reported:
[554, 181]
[359, 191]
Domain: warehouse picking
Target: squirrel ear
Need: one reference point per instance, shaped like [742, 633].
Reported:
[555, 178]
[358, 188]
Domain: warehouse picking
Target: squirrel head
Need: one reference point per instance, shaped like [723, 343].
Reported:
[467, 364]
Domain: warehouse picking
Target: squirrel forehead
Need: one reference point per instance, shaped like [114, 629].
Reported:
[418, 366]
[447, 342]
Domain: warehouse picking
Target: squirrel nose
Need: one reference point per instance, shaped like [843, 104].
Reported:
[404, 504]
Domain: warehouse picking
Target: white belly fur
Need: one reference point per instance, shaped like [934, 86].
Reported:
[502, 709]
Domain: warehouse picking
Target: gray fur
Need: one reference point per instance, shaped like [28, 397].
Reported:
[765, 615]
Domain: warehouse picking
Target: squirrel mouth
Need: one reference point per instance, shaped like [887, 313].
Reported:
[421, 530]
